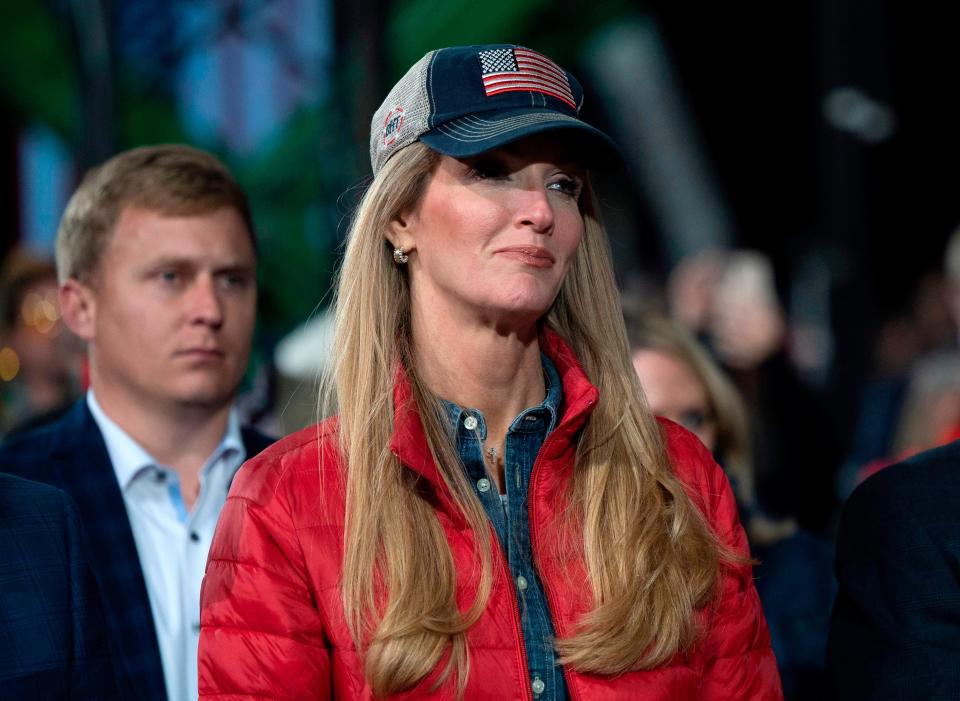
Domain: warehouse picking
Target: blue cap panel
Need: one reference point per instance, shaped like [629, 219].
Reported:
[468, 80]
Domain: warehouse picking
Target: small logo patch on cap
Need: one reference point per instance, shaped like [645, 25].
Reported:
[392, 125]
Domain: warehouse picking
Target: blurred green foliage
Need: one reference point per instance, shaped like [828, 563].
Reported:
[419, 26]
[37, 76]
[557, 28]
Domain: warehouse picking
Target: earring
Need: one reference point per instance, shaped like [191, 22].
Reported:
[399, 256]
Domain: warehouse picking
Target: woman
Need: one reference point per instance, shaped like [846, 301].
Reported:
[682, 383]
[794, 578]
[482, 520]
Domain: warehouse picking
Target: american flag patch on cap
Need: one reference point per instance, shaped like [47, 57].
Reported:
[523, 70]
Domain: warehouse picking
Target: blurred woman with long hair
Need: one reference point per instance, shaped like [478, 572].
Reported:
[682, 383]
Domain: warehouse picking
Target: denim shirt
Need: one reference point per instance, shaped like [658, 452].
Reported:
[508, 514]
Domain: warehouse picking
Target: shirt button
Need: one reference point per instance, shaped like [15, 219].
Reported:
[483, 484]
[470, 423]
[538, 686]
[522, 583]
[194, 536]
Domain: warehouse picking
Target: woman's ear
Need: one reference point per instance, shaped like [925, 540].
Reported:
[400, 232]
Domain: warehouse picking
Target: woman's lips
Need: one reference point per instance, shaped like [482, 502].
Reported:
[533, 256]
[201, 353]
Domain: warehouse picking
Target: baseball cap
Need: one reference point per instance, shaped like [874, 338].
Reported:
[466, 100]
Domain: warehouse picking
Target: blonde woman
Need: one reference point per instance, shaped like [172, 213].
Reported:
[682, 383]
[494, 513]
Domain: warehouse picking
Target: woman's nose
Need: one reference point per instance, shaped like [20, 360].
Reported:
[534, 209]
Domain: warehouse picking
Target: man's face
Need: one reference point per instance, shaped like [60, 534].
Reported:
[173, 304]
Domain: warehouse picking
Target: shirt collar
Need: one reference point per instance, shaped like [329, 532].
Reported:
[409, 440]
[551, 404]
[554, 391]
[129, 458]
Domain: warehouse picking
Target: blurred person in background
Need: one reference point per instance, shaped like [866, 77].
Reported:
[745, 321]
[156, 258]
[53, 638]
[40, 359]
[911, 401]
[929, 414]
[895, 633]
[795, 451]
[684, 384]
[690, 288]
[951, 267]
[494, 513]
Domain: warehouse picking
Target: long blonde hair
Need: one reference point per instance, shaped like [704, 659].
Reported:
[650, 558]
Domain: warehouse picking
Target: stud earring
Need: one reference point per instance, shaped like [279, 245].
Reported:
[399, 256]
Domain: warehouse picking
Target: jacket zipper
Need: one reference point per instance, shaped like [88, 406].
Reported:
[517, 633]
[547, 590]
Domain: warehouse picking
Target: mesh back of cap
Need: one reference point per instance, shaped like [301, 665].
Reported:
[403, 116]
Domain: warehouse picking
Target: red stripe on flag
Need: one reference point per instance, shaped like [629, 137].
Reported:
[526, 87]
[493, 78]
[534, 59]
[542, 61]
[529, 61]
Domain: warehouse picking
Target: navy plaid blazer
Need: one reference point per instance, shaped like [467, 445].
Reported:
[70, 453]
[895, 632]
[53, 639]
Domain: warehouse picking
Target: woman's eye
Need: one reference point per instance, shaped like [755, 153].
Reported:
[568, 186]
[168, 276]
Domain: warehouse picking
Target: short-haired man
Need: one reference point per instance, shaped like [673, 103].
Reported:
[156, 258]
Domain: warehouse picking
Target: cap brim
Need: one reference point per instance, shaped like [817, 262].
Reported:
[473, 135]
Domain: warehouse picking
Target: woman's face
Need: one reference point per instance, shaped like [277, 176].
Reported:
[493, 235]
[674, 392]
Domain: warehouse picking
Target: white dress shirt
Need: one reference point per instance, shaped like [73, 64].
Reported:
[172, 542]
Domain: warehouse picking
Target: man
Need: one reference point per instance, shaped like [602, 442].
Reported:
[52, 633]
[156, 259]
[896, 623]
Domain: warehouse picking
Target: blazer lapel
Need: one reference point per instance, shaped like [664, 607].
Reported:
[87, 474]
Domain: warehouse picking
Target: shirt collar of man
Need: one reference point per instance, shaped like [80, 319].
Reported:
[130, 460]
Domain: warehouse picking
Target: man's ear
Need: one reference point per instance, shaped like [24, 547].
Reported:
[78, 308]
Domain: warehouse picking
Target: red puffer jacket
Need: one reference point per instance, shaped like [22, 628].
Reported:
[273, 624]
